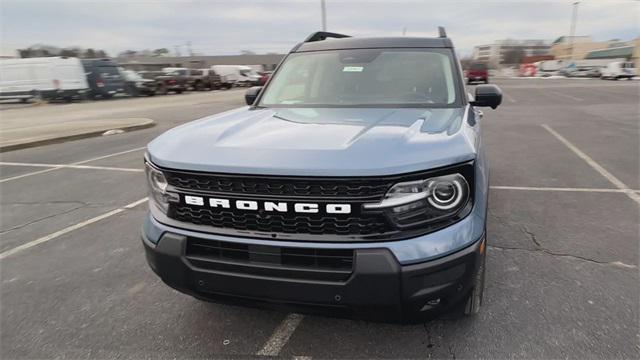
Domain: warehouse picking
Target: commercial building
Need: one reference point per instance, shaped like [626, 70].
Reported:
[629, 50]
[509, 51]
[578, 47]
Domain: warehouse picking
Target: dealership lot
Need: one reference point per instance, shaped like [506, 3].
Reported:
[562, 277]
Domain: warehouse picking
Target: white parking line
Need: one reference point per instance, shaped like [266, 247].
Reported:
[612, 179]
[281, 335]
[62, 166]
[75, 163]
[69, 229]
[509, 97]
[529, 188]
[565, 95]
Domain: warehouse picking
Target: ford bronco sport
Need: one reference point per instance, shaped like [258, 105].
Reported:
[354, 183]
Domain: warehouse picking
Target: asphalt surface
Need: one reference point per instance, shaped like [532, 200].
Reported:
[562, 268]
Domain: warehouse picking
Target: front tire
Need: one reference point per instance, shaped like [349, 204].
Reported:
[162, 90]
[474, 299]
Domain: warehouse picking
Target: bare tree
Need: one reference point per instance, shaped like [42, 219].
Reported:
[89, 54]
[161, 52]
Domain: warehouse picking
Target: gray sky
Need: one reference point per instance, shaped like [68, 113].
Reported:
[226, 27]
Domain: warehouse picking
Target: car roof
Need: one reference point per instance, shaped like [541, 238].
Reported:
[372, 43]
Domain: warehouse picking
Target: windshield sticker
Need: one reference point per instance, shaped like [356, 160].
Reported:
[352, 69]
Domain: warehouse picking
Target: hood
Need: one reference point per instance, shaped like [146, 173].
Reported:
[318, 141]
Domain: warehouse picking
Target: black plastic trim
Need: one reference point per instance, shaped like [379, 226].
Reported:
[380, 288]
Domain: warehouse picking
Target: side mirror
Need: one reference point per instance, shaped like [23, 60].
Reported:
[251, 94]
[487, 95]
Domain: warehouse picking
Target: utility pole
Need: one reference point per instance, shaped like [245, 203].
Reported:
[574, 18]
[323, 9]
[189, 48]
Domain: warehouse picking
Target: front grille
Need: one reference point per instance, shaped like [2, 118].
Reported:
[288, 223]
[276, 261]
[359, 224]
[280, 186]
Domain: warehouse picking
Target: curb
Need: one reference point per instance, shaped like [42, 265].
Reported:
[61, 139]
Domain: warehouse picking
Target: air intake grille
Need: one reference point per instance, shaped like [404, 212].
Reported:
[289, 262]
[280, 186]
[288, 223]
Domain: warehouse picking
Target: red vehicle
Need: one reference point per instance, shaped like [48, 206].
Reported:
[478, 72]
[264, 78]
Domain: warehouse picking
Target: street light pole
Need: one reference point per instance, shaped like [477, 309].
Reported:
[574, 18]
[323, 8]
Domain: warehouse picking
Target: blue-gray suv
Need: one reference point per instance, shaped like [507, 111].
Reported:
[354, 183]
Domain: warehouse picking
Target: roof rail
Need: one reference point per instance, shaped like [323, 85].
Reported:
[442, 32]
[323, 35]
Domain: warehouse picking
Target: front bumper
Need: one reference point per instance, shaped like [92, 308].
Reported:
[379, 287]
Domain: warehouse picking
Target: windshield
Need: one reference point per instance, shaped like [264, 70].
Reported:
[365, 77]
[107, 71]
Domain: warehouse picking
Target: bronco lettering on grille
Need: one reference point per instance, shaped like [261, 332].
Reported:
[309, 208]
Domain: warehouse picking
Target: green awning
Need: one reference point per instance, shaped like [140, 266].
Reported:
[619, 52]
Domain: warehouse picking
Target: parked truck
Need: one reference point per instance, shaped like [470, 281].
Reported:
[239, 75]
[204, 79]
[354, 183]
[619, 70]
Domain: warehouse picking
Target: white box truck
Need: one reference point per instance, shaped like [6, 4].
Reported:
[236, 74]
[618, 70]
[48, 77]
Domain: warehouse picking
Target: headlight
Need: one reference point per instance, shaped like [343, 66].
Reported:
[158, 188]
[413, 203]
[448, 192]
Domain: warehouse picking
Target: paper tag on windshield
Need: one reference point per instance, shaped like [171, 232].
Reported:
[352, 69]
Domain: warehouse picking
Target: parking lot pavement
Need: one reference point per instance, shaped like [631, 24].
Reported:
[562, 270]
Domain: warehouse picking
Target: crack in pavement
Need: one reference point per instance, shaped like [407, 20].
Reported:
[430, 343]
[539, 248]
[82, 205]
[532, 236]
[618, 264]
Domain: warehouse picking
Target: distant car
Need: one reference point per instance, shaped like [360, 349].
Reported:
[478, 72]
[592, 72]
[103, 77]
[618, 70]
[204, 79]
[167, 81]
[136, 85]
[239, 75]
[49, 78]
